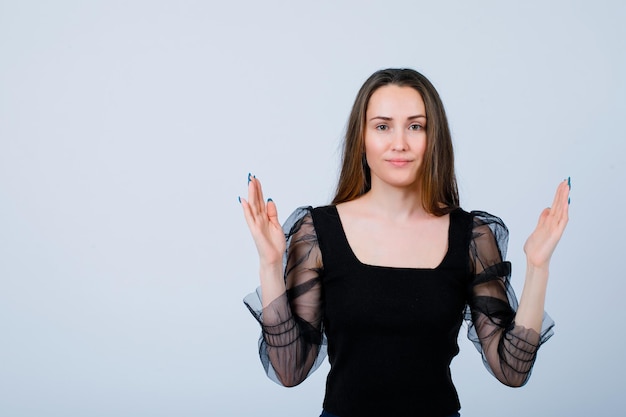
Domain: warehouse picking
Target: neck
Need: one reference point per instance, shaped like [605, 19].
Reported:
[394, 202]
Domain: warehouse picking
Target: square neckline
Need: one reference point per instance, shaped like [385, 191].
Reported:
[392, 268]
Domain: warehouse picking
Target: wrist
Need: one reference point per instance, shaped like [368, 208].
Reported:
[537, 273]
[271, 269]
[272, 282]
[537, 267]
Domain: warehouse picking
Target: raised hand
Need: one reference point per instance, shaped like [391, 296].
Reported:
[552, 221]
[262, 219]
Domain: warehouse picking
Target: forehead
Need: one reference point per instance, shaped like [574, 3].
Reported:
[394, 99]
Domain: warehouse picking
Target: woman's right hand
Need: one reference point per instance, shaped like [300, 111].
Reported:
[262, 219]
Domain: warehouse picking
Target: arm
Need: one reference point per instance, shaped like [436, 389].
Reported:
[289, 306]
[262, 220]
[508, 340]
[539, 249]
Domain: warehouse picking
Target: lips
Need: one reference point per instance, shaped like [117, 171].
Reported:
[399, 162]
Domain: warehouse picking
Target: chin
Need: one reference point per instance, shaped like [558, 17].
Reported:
[397, 179]
[401, 183]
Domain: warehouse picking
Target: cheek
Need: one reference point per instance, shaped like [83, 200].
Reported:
[372, 146]
[421, 146]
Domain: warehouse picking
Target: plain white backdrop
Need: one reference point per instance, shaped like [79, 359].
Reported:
[127, 130]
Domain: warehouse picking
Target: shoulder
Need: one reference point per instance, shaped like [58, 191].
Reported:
[483, 222]
[323, 212]
[295, 221]
[460, 217]
[478, 216]
[324, 209]
[488, 230]
[478, 223]
[323, 215]
[309, 219]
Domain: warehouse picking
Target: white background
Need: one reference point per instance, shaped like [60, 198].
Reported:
[127, 130]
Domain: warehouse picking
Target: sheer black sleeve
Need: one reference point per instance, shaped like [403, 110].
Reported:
[292, 343]
[508, 350]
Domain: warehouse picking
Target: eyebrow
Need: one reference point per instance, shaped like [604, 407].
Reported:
[386, 118]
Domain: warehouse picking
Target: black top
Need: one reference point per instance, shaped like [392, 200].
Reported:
[391, 333]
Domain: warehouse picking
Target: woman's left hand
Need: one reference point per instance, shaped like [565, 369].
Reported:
[542, 242]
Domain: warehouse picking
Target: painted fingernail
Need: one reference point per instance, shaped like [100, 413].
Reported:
[249, 177]
[568, 200]
[269, 199]
[569, 182]
[239, 198]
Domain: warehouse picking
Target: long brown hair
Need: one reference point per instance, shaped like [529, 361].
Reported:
[439, 189]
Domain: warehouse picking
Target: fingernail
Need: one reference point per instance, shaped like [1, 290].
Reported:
[239, 198]
[568, 201]
[249, 177]
[569, 182]
[269, 199]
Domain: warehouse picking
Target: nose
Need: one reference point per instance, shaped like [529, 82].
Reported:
[399, 141]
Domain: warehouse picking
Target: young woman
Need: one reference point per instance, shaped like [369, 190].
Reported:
[384, 276]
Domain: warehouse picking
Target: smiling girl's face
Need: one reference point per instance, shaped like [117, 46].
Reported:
[395, 136]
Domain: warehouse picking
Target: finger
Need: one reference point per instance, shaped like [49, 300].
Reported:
[251, 192]
[247, 213]
[557, 220]
[255, 196]
[558, 194]
[272, 212]
[562, 202]
[559, 205]
[565, 204]
[260, 199]
[564, 193]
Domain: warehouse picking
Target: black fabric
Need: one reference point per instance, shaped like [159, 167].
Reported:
[382, 323]
[391, 332]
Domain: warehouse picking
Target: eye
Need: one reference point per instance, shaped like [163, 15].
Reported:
[416, 126]
[382, 128]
